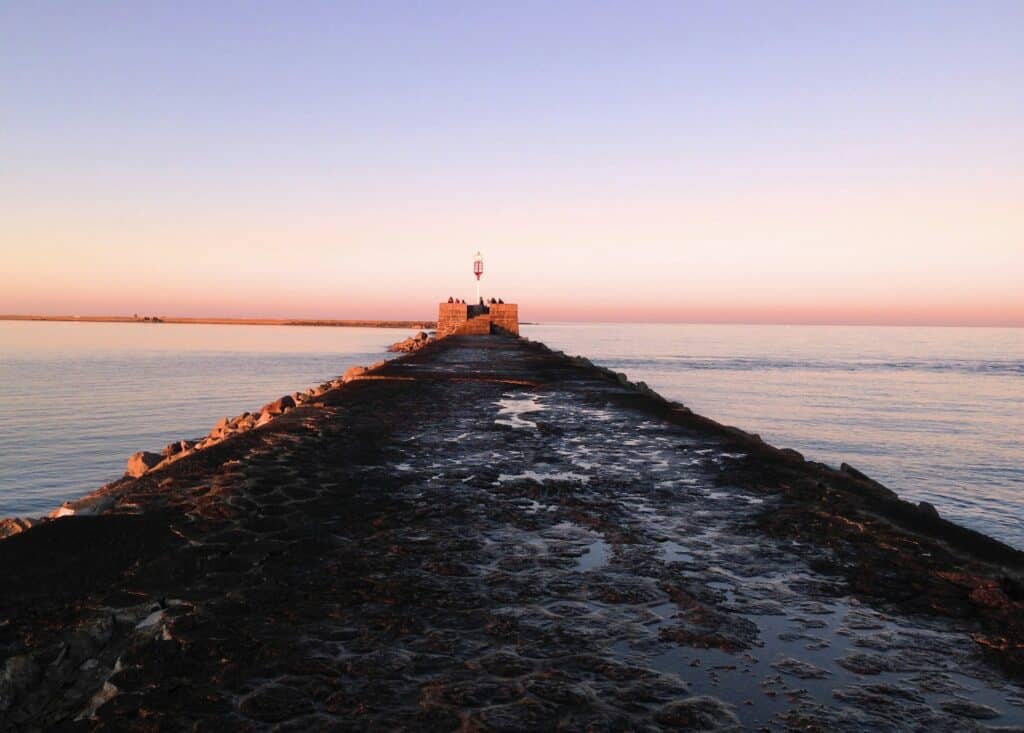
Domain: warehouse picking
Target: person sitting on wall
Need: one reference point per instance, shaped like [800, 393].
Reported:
[501, 301]
[451, 299]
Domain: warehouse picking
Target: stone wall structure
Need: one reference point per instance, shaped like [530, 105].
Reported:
[461, 318]
[450, 316]
[506, 317]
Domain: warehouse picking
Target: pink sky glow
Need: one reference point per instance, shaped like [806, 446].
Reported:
[938, 257]
[700, 162]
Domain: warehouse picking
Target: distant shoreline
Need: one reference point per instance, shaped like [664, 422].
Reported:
[326, 322]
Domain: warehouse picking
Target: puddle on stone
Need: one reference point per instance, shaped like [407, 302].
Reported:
[675, 552]
[542, 477]
[597, 414]
[722, 495]
[792, 667]
[817, 658]
[514, 406]
[596, 556]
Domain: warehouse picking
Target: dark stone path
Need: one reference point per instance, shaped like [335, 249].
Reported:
[487, 536]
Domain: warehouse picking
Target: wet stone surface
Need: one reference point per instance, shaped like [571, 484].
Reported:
[486, 538]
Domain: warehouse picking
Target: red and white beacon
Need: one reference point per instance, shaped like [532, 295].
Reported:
[478, 270]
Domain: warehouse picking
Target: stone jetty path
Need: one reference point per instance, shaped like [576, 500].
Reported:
[486, 535]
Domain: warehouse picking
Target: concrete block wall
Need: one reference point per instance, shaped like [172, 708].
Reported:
[454, 318]
[450, 316]
[506, 317]
[479, 326]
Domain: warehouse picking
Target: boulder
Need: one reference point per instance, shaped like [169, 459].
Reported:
[141, 462]
[928, 509]
[794, 455]
[353, 373]
[64, 510]
[867, 481]
[278, 406]
[105, 694]
[851, 471]
[94, 505]
[13, 525]
[413, 343]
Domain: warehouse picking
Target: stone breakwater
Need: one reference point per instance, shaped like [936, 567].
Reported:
[411, 344]
[145, 461]
[487, 535]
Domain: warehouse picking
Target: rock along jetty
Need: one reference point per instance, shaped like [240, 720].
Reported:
[487, 535]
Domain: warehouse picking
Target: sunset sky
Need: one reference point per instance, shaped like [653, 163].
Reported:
[743, 162]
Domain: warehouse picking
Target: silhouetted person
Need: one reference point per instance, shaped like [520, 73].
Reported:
[501, 301]
[451, 299]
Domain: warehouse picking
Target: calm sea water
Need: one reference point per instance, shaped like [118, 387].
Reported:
[934, 413]
[76, 399]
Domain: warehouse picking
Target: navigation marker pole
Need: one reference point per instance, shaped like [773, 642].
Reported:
[478, 270]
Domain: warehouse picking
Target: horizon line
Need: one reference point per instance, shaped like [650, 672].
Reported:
[402, 322]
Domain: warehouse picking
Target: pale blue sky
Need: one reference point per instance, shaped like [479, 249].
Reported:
[284, 130]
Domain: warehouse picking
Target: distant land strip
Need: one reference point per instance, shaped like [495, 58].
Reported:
[228, 321]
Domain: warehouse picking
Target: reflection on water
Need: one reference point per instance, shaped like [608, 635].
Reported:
[76, 399]
[937, 414]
